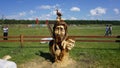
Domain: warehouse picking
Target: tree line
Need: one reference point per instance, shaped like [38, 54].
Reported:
[76, 22]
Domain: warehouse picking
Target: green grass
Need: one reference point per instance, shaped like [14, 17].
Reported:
[87, 54]
[97, 54]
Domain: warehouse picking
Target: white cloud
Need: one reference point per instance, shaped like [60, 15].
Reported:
[73, 18]
[22, 13]
[75, 9]
[48, 6]
[116, 10]
[45, 16]
[12, 16]
[17, 16]
[55, 6]
[45, 7]
[32, 12]
[98, 11]
[53, 12]
[30, 18]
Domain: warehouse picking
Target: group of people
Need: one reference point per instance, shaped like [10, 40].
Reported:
[108, 30]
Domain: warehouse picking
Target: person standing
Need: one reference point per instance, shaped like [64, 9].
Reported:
[106, 30]
[5, 32]
[110, 30]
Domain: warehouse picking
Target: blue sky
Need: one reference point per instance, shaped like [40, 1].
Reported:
[70, 9]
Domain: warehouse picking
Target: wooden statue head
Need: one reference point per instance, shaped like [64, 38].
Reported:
[60, 31]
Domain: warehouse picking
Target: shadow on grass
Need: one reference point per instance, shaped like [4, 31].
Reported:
[47, 56]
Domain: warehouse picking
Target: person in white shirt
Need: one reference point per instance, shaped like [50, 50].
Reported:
[5, 32]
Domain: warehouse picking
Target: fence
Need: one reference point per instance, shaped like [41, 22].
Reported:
[23, 39]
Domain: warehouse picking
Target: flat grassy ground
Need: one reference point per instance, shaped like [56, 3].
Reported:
[87, 54]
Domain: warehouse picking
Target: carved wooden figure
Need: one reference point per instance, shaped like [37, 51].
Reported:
[61, 44]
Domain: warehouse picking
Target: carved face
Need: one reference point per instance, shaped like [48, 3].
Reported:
[59, 32]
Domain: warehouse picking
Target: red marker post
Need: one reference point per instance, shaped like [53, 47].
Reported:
[37, 21]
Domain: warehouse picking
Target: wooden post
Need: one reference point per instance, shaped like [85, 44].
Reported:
[21, 40]
[49, 27]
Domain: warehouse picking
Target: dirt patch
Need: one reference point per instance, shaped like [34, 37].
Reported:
[45, 60]
[43, 63]
[68, 63]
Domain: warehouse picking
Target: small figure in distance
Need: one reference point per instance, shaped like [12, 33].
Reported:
[110, 30]
[5, 32]
[106, 30]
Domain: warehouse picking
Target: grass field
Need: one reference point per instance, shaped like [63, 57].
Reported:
[87, 54]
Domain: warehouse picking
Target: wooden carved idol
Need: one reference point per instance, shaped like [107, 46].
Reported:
[60, 45]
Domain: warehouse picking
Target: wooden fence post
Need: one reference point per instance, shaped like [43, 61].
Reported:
[21, 40]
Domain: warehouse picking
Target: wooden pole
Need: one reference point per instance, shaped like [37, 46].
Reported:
[21, 40]
[49, 27]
